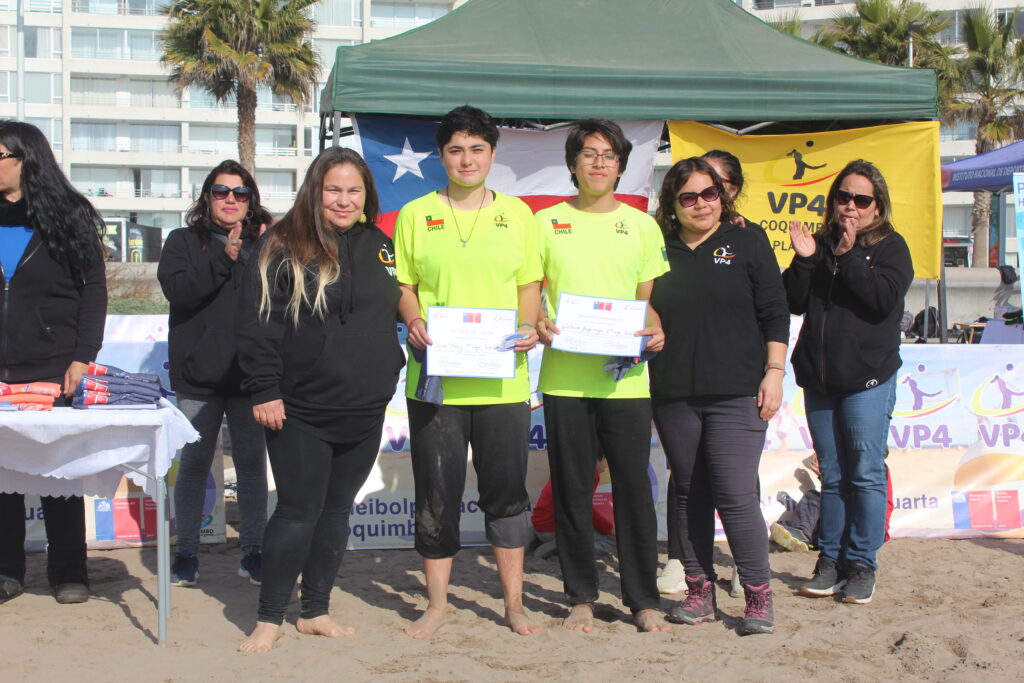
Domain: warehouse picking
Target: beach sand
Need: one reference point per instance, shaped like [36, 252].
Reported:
[944, 610]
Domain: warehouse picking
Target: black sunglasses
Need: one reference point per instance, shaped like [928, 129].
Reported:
[688, 199]
[861, 201]
[241, 192]
[9, 155]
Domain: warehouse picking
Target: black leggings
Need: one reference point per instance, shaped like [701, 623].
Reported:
[317, 481]
[714, 447]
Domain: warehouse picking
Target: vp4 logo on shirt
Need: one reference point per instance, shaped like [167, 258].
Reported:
[434, 223]
[500, 221]
[723, 256]
[561, 228]
[621, 227]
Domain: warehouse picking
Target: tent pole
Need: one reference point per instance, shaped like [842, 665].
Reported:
[927, 306]
[943, 321]
[1001, 227]
[335, 141]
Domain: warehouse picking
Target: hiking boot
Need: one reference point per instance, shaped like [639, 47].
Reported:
[185, 570]
[251, 566]
[700, 603]
[71, 593]
[10, 588]
[789, 538]
[672, 579]
[860, 584]
[826, 580]
[759, 615]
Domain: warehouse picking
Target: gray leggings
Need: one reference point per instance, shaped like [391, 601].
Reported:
[248, 450]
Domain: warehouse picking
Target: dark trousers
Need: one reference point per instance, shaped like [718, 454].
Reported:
[714, 447]
[621, 427]
[317, 482]
[64, 518]
[499, 435]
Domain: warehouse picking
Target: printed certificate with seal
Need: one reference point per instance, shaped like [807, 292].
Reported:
[600, 326]
[468, 342]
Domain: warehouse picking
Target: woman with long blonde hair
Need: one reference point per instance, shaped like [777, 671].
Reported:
[318, 349]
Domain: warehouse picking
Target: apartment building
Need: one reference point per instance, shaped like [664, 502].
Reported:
[94, 84]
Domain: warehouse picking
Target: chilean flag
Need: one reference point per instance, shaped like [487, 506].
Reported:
[402, 155]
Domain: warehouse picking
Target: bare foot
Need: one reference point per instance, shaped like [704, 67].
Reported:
[323, 626]
[520, 623]
[427, 625]
[261, 639]
[581, 618]
[650, 621]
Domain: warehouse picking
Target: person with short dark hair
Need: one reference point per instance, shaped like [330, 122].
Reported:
[54, 298]
[466, 245]
[320, 359]
[595, 245]
[849, 281]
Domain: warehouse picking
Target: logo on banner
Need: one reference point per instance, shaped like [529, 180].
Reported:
[929, 392]
[1000, 395]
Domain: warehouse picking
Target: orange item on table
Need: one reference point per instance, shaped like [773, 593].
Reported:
[28, 398]
[40, 388]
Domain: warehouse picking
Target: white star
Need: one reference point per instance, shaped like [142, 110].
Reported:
[407, 162]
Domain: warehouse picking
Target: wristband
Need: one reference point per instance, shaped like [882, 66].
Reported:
[526, 325]
[775, 366]
[409, 324]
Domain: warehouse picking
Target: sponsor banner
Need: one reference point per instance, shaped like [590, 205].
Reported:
[787, 178]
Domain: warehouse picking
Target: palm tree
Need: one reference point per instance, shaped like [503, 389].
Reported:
[234, 46]
[789, 23]
[992, 69]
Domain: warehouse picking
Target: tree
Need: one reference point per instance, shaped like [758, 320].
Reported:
[991, 77]
[789, 23]
[234, 46]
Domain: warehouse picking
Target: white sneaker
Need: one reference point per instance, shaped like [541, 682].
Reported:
[672, 579]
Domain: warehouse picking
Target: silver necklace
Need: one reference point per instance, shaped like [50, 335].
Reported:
[465, 240]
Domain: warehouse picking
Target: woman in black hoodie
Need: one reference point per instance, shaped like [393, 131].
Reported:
[200, 272]
[849, 281]
[52, 310]
[320, 355]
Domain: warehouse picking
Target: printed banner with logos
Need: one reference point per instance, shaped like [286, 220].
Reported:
[787, 178]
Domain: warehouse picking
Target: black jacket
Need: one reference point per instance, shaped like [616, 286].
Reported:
[204, 289]
[852, 307]
[344, 365]
[49, 316]
[719, 305]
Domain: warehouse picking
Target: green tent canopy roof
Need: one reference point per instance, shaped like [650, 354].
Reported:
[702, 60]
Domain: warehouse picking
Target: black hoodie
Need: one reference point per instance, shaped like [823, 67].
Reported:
[346, 364]
[852, 307]
[49, 316]
[203, 286]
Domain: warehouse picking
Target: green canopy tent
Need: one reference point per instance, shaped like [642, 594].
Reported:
[701, 60]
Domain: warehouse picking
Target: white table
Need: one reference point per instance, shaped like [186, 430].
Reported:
[68, 452]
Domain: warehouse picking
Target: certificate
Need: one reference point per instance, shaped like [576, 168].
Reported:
[467, 342]
[598, 325]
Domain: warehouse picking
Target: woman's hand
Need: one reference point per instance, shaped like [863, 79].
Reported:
[769, 394]
[530, 339]
[801, 239]
[270, 414]
[73, 377]
[849, 238]
[546, 331]
[657, 338]
[234, 242]
[418, 336]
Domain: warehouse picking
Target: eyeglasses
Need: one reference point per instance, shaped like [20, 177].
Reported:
[590, 156]
[9, 155]
[688, 199]
[241, 192]
[861, 201]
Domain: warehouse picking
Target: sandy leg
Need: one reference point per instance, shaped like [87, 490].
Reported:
[581, 618]
[323, 626]
[261, 639]
[510, 572]
[650, 621]
[437, 573]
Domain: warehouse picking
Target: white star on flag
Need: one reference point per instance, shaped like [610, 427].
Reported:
[407, 162]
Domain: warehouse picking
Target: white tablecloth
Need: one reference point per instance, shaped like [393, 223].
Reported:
[77, 452]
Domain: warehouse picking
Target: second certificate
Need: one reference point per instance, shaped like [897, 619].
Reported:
[467, 342]
[605, 327]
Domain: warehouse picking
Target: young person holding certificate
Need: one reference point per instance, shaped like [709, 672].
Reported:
[468, 246]
[594, 245]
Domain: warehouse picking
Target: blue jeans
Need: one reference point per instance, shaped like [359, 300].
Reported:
[849, 433]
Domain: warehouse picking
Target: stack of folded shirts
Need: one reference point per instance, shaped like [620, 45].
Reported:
[109, 387]
[32, 396]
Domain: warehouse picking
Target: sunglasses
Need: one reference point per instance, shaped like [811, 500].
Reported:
[688, 199]
[861, 201]
[9, 155]
[241, 192]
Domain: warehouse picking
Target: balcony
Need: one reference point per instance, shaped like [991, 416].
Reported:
[121, 7]
[41, 6]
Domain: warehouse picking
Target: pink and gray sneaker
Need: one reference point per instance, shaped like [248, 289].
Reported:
[700, 604]
[759, 615]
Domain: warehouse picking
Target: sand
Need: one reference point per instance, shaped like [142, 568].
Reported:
[944, 610]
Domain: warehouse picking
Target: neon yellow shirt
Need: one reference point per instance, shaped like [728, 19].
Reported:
[595, 254]
[500, 255]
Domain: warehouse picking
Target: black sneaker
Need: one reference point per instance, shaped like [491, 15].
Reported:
[10, 588]
[185, 570]
[860, 584]
[826, 580]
